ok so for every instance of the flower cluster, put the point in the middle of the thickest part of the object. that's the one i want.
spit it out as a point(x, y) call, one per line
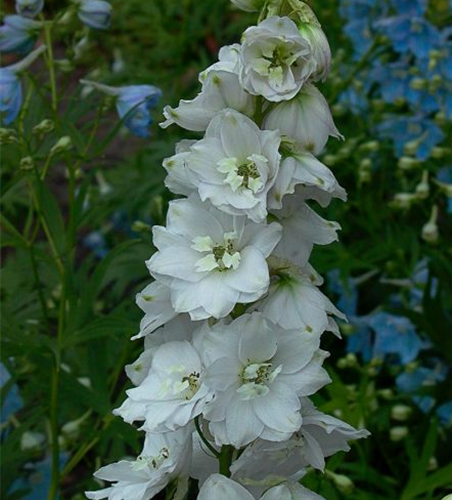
point(411, 70)
point(234, 318)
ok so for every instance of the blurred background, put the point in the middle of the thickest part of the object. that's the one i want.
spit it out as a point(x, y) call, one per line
point(390, 90)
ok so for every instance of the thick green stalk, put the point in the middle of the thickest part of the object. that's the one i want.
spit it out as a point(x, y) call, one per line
point(225, 459)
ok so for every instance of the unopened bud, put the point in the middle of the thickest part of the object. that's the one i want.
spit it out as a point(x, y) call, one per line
point(342, 482)
point(141, 227)
point(351, 359)
point(419, 84)
point(370, 146)
point(63, 144)
point(438, 152)
point(398, 433)
point(403, 200)
point(347, 328)
point(387, 394)
point(407, 163)
point(430, 231)
point(64, 65)
point(433, 465)
point(364, 176)
point(411, 147)
point(43, 128)
point(7, 136)
point(401, 413)
point(365, 164)
point(27, 163)
point(423, 188)
point(330, 160)
point(31, 441)
point(441, 118)
point(341, 363)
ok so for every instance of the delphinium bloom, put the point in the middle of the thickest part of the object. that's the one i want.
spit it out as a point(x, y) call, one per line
point(19, 34)
point(95, 14)
point(29, 8)
point(233, 322)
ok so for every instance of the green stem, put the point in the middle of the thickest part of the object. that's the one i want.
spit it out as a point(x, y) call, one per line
point(203, 438)
point(226, 460)
point(50, 63)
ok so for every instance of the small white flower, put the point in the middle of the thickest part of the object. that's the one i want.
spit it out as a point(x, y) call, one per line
point(306, 120)
point(220, 90)
point(295, 302)
point(173, 392)
point(211, 260)
point(302, 228)
point(233, 167)
point(275, 58)
point(321, 52)
point(228, 60)
point(248, 5)
point(258, 371)
point(163, 458)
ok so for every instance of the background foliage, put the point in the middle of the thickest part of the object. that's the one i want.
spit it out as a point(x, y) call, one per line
point(74, 247)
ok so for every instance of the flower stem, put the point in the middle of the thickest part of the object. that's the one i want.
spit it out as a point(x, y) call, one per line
point(50, 64)
point(226, 460)
point(204, 440)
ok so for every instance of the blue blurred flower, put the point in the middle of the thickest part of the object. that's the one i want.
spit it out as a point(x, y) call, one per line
point(410, 34)
point(445, 175)
point(394, 335)
point(444, 413)
point(11, 400)
point(96, 242)
point(412, 7)
point(10, 96)
point(29, 8)
point(404, 129)
point(134, 103)
point(18, 34)
point(95, 14)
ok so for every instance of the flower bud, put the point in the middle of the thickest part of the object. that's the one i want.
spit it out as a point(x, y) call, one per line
point(370, 146)
point(430, 232)
point(441, 118)
point(7, 136)
point(387, 394)
point(27, 163)
point(342, 482)
point(249, 5)
point(407, 163)
point(411, 147)
point(365, 164)
point(423, 188)
point(364, 177)
point(438, 152)
point(18, 34)
point(95, 14)
point(141, 227)
point(433, 465)
point(321, 52)
point(63, 144)
point(403, 201)
point(64, 65)
point(31, 441)
point(398, 433)
point(401, 413)
point(419, 84)
point(29, 8)
point(44, 128)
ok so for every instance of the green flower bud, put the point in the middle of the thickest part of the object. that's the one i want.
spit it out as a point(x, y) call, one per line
point(430, 231)
point(423, 188)
point(7, 136)
point(398, 433)
point(407, 163)
point(342, 482)
point(401, 413)
point(27, 163)
point(43, 128)
point(63, 144)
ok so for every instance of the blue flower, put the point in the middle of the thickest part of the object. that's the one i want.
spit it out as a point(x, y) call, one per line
point(95, 14)
point(29, 8)
point(134, 103)
point(18, 34)
point(96, 242)
point(10, 96)
point(403, 129)
point(445, 175)
point(395, 335)
point(444, 413)
point(412, 7)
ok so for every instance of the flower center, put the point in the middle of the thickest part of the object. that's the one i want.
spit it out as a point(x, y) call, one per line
point(220, 256)
point(245, 174)
point(181, 385)
point(255, 380)
point(143, 461)
point(274, 61)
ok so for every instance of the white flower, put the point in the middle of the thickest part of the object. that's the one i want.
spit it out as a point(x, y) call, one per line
point(228, 60)
point(258, 371)
point(321, 52)
point(295, 302)
point(155, 302)
point(303, 169)
point(319, 437)
point(163, 458)
point(302, 228)
point(180, 179)
point(220, 90)
point(248, 5)
point(233, 167)
point(219, 487)
point(211, 260)
point(173, 393)
point(276, 59)
point(306, 120)
point(179, 328)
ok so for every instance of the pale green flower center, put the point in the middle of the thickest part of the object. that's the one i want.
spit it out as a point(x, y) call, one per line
point(243, 175)
point(220, 256)
point(180, 384)
point(143, 461)
point(255, 380)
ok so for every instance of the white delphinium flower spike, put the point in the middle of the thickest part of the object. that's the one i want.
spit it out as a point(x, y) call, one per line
point(164, 458)
point(275, 59)
point(211, 260)
point(233, 167)
point(258, 371)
